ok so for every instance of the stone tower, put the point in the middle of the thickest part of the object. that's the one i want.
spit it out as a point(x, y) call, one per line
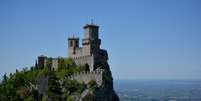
point(91, 41)
point(90, 52)
point(73, 44)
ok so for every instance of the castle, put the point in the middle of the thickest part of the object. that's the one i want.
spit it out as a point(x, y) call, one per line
point(90, 52)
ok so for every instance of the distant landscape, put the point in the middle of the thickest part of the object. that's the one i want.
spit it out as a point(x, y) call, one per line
point(158, 90)
point(100, 50)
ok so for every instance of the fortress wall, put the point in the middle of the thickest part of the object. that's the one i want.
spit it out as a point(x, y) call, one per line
point(83, 60)
point(86, 50)
point(86, 77)
point(79, 51)
point(55, 63)
point(42, 85)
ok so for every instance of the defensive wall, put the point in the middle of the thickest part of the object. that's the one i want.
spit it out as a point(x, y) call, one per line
point(86, 77)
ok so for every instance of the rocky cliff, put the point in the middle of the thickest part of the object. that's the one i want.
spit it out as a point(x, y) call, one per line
point(98, 85)
point(103, 91)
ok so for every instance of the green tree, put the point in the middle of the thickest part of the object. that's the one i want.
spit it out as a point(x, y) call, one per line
point(92, 84)
point(5, 78)
point(36, 65)
point(88, 97)
point(61, 64)
point(54, 88)
point(72, 86)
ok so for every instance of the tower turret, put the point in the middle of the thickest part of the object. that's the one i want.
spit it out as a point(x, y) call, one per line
point(42, 60)
point(91, 40)
point(91, 31)
point(73, 43)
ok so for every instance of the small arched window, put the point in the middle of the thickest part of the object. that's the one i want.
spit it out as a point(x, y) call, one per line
point(77, 43)
point(71, 43)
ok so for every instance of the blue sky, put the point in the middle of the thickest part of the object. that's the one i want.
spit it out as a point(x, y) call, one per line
point(145, 39)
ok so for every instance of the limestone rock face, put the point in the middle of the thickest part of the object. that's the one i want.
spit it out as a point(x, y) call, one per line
point(105, 92)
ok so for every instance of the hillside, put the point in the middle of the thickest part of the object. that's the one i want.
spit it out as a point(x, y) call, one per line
point(46, 84)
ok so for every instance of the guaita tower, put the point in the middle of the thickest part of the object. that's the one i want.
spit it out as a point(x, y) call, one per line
point(90, 52)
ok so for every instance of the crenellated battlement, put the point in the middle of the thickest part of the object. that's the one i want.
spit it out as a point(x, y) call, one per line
point(86, 77)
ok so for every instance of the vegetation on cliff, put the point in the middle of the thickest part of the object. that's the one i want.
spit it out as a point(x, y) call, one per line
point(22, 85)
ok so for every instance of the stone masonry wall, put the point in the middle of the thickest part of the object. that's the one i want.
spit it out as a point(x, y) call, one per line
point(86, 77)
point(84, 60)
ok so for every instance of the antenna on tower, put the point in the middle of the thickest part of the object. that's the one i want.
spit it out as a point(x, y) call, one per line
point(91, 20)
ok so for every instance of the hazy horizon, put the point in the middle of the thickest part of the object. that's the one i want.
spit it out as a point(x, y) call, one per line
point(145, 39)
